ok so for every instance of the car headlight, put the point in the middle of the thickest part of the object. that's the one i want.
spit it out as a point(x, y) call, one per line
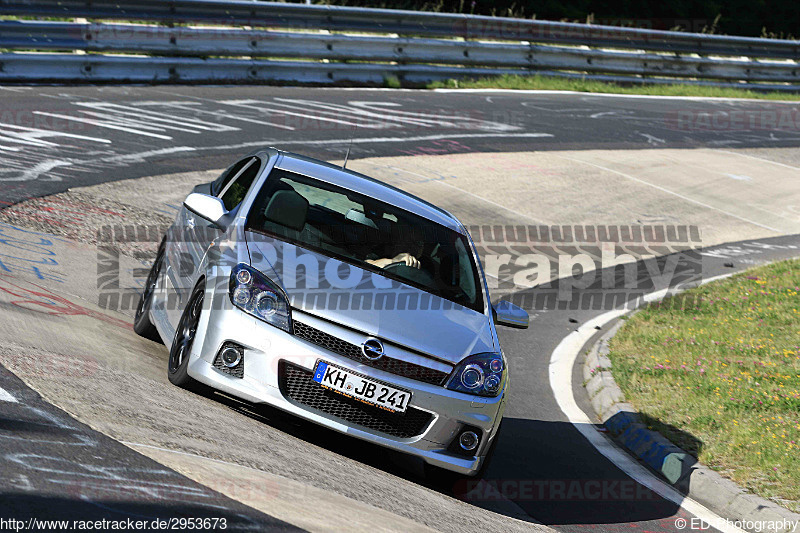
point(482, 374)
point(255, 294)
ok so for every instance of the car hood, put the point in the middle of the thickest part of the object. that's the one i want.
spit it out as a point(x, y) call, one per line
point(407, 316)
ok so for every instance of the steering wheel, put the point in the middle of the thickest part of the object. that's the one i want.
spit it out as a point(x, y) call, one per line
point(395, 265)
point(412, 274)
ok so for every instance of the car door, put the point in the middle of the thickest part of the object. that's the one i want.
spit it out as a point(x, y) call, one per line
point(181, 249)
point(200, 234)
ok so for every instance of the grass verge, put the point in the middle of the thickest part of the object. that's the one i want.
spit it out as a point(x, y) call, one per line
point(720, 366)
point(567, 84)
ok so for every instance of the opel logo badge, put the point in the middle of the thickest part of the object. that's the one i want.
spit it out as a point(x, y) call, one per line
point(372, 349)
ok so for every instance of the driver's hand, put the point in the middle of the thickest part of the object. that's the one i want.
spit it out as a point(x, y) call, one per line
point(408, 259)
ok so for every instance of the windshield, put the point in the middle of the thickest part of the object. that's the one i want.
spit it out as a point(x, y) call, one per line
point(368, 233)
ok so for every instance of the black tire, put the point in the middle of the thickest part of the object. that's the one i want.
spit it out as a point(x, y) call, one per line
point(177, 369)
point(141, 322)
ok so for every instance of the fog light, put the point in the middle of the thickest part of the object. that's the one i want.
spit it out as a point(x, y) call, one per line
point(231, 357)
point(468, 440)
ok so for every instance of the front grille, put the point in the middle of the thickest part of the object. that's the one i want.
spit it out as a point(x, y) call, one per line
point(353, 351)
point(296, 384)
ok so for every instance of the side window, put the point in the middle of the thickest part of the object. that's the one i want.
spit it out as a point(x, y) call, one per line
point(222, 181)
point(465, 279)
point(234, 191)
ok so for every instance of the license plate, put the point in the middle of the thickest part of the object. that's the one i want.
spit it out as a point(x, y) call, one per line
point(361, 388)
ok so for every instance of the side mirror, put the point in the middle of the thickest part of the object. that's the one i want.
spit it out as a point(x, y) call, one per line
point(507, 314)
point(210, 208)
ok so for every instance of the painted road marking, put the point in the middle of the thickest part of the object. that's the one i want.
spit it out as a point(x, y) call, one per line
point(770, 161)
point(6, 396)
point(141, 116)
point(369, 140)
point(464, 191)
point(107, 124)
point(663, 189)
point(270, 108)
point(218, 114)
point(562, 362)
point(44, 167)
point(35, 136)
point(584, 95)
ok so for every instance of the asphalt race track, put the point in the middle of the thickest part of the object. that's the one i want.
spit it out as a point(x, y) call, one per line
point(66, 461)
point(58, 461)
point(52, 138)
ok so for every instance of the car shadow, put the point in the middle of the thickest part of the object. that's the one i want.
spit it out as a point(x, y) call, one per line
point(543, 472)
point(663, 447)
point(555, 475)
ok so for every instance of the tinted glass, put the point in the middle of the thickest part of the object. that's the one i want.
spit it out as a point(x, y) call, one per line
point(368, 233)
point(219, 184)
point(234, 191)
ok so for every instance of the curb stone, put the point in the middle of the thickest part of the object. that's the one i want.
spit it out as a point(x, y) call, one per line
point(678, 467)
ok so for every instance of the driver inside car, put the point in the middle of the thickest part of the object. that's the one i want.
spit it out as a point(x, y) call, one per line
point(402, 257)
point(407, 253)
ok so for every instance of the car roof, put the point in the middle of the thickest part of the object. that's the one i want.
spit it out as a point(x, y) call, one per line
point(363, 184)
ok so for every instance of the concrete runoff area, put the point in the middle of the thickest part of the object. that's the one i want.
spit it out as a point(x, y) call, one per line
point(122, 389)
point(729, 195)
point(301, 504)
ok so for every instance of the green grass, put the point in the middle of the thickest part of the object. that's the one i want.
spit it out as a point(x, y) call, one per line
point(579, 85)
point(724, 369)
point(392, 82)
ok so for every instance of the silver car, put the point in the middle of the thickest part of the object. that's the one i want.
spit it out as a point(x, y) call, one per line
point(337, 298)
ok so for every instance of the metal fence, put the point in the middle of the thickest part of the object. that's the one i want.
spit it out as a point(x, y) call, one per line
point(248, 41)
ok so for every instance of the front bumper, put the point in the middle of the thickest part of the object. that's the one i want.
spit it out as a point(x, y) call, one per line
point(268, 351)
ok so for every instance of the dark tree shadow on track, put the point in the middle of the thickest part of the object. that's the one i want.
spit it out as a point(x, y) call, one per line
point(552, 472)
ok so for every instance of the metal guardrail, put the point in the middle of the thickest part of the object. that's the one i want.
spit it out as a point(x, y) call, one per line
point(409, 51)
point(341, 18)
point(205, 42)
point(58, 68)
